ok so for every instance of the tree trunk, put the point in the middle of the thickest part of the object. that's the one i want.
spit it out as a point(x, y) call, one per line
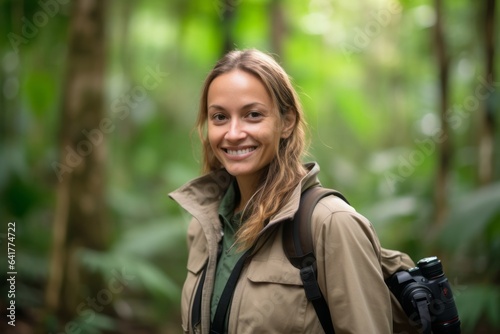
point(278, 29)
point(445, 149)
point(79, 220)
point(487, 133)
point(227, 12)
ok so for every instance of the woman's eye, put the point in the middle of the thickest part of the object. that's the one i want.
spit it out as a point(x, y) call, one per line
point(254, 114)
point(218, 117)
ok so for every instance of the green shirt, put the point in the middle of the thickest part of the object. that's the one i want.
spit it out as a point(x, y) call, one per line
point(229, 255)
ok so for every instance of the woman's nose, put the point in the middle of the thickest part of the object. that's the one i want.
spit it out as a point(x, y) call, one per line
point(236, 130)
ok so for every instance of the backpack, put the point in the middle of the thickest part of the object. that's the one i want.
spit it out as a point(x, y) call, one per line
point(398, 270)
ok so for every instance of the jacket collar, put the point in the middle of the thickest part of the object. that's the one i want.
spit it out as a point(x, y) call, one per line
point(201, 197)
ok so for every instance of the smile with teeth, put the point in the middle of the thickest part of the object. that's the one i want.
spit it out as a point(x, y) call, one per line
point(239, 152)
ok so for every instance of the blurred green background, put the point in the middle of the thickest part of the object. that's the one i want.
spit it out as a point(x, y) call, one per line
point(99, 99)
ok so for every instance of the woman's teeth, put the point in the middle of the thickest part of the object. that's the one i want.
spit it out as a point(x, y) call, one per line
point(239, 152)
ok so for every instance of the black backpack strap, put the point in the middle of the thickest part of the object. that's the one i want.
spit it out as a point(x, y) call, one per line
point(196, 310)
point(299, 248)
point(219, 322)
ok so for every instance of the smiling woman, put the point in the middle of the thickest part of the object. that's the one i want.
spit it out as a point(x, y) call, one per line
point(243, 79)
point(244, 129)
point(239, 279)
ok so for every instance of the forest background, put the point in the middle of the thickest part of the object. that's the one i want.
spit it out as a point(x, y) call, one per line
point(97, 104)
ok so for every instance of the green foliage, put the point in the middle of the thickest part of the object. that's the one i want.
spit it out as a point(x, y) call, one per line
point(474, 217)
point(149, 255)
point(477, 303)
point(40, 97)
point(99, 324)
point(471, 236)
point(370, 97)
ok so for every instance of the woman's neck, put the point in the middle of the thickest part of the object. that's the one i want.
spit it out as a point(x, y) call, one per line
point(247, 188)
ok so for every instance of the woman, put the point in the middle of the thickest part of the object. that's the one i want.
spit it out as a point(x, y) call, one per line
point(252, 129)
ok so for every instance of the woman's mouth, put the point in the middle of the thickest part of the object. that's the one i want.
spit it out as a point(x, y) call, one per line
point(239, 151)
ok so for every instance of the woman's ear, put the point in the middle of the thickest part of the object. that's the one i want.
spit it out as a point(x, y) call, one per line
point(289, 120)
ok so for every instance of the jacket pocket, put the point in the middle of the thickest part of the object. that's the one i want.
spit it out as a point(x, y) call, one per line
point(196, 263)
point(272, 299)
point(273, 271)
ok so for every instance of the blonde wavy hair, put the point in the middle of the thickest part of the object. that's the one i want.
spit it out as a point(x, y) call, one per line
point(285, 171)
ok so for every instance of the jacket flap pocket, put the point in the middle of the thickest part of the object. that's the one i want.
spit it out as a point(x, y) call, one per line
point(273, 271)
point(196, 261)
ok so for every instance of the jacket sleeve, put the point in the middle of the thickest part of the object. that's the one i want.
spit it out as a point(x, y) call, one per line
point(349, 269)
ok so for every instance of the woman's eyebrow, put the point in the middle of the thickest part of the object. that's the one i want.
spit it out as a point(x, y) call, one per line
point(216, 106)
point(246, 106)
point(253, 104)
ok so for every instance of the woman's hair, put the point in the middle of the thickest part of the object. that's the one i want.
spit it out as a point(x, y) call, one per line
point(285, 171)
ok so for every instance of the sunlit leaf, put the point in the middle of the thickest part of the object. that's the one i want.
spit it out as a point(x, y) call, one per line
point(40, 90)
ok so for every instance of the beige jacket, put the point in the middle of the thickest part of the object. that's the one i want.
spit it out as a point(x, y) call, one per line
point(269, 296)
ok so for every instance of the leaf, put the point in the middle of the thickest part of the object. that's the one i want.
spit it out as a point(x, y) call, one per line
point(470, 216)
point(152, 238)
point(493, 307)
point(97, 324)
point(475, 302)
point(155, 281)
point(40, 91)
point(141, 272)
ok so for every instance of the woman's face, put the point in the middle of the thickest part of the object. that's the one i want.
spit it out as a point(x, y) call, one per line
point(244, 128)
